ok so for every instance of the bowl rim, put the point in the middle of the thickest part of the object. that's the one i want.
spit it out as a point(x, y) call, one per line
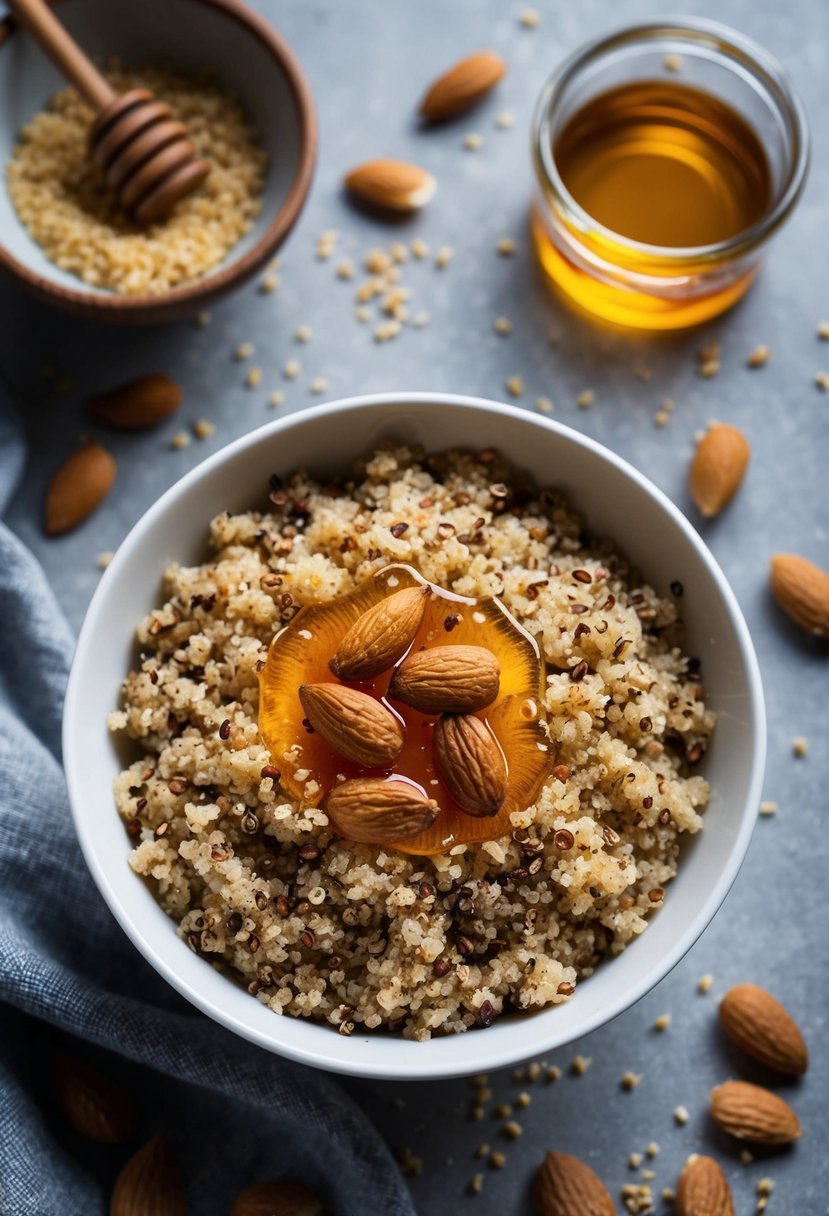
point(178, 300)
point(327, 1051)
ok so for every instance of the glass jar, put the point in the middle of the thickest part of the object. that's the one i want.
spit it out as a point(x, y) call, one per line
point(664, 286)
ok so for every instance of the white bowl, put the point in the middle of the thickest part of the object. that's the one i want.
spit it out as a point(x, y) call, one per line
point(617, 501)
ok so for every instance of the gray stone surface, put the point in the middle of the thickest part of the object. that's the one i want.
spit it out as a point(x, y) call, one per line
point(368, 64)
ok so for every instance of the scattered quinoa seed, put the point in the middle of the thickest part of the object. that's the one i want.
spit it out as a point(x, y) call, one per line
point(303, 334)
point(800, 747)
point(497, 1159)
point(419, 249)
point(503, 1111)
point(630, 1080)
point(512, 1130)
point(203, 429)
point(681, 1115)
point(105, 558)
point(420, 319)
point(580, 1065)
point(243, 351)
point(759, 357)
point(672, 62)
point(482, 1151)
point(363, 313)
point(634, 1161)
point(180, 440)
point(253, 377)
point(202, 320)
point(662, 1022)
point(505, 247)
point(505, 120)
point(523, 1100)
point(553, 1073)
point(585, 399)
point(473, 141)
point(544, 405)
point(533, 1071)
point(476, 1183)
point(765, 1186)
point(768, 808)
point(319, 385)
point(276, 398)
point(652, 1150)
point(269, 284)
point(345, 269)
point(823, 331)
point(502, 325)
point(530, 18)
point(667, 1194)
point(708, 368)
point(705, 983)
point(822, 381)
point(291, 369)
point(444, 256)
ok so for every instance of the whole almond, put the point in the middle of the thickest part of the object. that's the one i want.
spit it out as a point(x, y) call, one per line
point(373, 811)
point(278, 1198)
point(354, 724)
point(756, 1022)
point(79, 486)
point(94, 1104)
point(392, 185)
point(702, 1189)
point(150, 1183)
point(565, 1186)
point(142, 402)
point(471, 763)
point(802, 590)
point(462, 85)
point(749, 1112)
point(718, 468)
point(381, 636)
point(447, 679)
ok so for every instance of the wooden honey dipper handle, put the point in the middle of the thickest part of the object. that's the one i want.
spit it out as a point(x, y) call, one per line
point(145, 156)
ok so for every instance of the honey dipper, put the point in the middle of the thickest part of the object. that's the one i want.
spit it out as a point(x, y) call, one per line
point(145, 155)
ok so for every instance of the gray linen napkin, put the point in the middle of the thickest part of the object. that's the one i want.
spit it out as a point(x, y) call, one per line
point(234, 1113)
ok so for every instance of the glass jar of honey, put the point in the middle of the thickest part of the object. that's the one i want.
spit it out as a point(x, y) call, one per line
point(666, 156)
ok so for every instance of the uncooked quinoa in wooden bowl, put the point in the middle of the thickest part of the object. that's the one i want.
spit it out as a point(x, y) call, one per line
point(233, 82)
point(414, 746)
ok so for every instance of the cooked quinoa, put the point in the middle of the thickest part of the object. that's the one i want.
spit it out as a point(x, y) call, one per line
point(60, 197)
point(363, 937)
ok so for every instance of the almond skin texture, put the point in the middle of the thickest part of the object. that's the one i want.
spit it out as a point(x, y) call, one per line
point(702, 1189)
point(462, 85)
point(353, 723)
point(150, 1183)
point(756, 1022)
point(718, 468)
point(447, 679)
point(79, 486)
point(470, 763)
point(391, 185)
point(278, 1198)
point(381, 636)
point(373, 811)
point(94, 1104)
point(802, 590)
point(749, 1112)
point(143, 402)
point(565, 1186)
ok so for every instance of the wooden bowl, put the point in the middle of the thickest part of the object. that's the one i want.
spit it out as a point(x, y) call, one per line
point(250, 59)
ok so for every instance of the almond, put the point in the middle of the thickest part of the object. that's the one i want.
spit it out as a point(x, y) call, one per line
point(94, 1104)
point(392, 185)
point(702, 1189)
point(749, 1112)
point(142, 402)
point(718, 468)
point(462, 85)
point(802, 590)
point(373, 811)
point(79, 486)
point(380, 636)
point(565, 1186)
point(471, 763)
point(150, 1183)
point(756, 1022)
point(447, 679)
point(353, 723)
point(279, 1198)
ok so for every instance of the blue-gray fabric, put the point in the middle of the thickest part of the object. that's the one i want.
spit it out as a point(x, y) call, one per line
point(235, 1113)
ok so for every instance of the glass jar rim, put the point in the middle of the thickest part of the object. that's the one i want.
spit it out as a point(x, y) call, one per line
point(729, 42)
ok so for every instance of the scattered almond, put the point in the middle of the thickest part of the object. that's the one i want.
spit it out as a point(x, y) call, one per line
point(470, 763)
point(447, 679)
point(718, 468)
point(354, 724)
point(802, 590)
point(565, 1186)
point(278, 1198)
point(749, 1112)
point(702, 1189)
point(380, 636)
point(756, 1022)
point(79, 486)
point(143, 402)
point(94, 1104)
point(150, 1183)
point(373, 811)
point(462, 85)
point(392, 185)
